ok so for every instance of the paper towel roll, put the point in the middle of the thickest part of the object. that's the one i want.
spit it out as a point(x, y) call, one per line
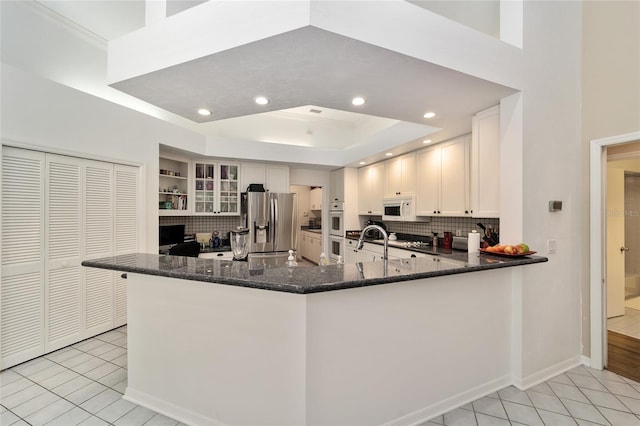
point(474, 242)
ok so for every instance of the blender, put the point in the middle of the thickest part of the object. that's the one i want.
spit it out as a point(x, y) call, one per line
point(239, 243)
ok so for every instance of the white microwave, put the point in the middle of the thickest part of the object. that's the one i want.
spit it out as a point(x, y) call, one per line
point(399, 209)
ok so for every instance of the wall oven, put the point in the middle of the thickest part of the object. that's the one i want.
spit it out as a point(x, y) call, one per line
point(336, 220)
point(336, 247)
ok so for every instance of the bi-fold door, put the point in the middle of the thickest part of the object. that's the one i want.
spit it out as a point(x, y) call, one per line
point(56, 212)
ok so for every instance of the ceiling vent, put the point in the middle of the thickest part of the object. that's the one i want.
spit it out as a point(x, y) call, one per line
point(315, 111)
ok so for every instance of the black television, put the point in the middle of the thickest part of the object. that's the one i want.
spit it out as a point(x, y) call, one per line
point(171, 234)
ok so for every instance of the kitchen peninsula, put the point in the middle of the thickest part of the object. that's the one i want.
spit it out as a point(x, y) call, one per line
point(217, 342)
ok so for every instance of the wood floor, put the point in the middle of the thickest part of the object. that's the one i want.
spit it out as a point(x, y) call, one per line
point(624, 355)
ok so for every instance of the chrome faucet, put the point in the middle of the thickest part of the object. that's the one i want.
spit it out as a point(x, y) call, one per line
point(384, 235)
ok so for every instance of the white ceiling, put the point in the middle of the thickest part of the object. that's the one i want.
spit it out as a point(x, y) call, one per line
point(308, 68)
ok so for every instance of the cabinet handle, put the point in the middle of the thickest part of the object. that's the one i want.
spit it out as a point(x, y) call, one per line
point(413, 255)
point(466, 212)
point(434, 212)
point(438, 211)
point(124, 276)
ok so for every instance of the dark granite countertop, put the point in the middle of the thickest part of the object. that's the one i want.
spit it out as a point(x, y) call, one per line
point(304, 280)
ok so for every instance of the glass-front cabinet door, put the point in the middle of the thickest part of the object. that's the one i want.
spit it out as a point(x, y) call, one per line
point(229, 193)
point(216, 188)
point(205, 177)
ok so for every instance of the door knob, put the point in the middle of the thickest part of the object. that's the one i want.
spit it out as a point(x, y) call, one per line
point(623, 248)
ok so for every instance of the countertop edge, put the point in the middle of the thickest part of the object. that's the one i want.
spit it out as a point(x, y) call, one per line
point(109, 263)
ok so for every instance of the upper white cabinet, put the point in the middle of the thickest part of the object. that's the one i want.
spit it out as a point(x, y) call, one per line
point(252, 173)
point(485, 163)
point(443, 179)
point(315, 199)
point(277, 179)
point(336, 186)
point(400, 176)
point(217, 188)
point(371, 189)
point(174, 187)
point(274, 178)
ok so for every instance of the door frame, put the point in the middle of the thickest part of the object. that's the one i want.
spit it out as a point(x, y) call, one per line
point(597, 251)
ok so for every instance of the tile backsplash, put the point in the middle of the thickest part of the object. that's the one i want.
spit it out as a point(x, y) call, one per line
point(224, 224)
point(440, 225)
point(193, 224)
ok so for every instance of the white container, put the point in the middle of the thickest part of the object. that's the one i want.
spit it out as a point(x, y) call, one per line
point(473, 245)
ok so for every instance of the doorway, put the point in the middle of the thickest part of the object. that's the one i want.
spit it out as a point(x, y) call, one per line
point(622, 264)
point(609, 255)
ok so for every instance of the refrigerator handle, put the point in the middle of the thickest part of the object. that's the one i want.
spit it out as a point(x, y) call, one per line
point(275, 219)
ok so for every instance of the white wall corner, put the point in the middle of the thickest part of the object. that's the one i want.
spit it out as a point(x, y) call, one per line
point(511, 22)
point(155, 11)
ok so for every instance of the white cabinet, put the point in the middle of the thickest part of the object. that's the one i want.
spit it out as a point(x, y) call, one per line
point(485, 163)
point(56, 212)
point(336, 185)
point(277, 179)
point(274, 178)
point(400, 176)
point(311, 246)
point(315, 199)
point(371, 189)
point(173, 191)
point(443, 179)
point(217, 188)
point(252, 173)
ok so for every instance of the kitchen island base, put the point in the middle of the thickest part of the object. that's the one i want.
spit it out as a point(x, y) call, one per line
point(399, 353)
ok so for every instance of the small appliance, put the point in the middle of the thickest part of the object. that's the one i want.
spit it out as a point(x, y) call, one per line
point(374, 234)
point(399, 209)
point(240, 243)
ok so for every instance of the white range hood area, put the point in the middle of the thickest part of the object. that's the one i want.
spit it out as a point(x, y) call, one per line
point(220, 55)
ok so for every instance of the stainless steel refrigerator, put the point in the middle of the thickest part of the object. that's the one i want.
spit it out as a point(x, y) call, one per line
point(272, 222)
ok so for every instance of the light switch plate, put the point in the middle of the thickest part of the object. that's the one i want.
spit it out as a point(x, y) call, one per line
point(551, 246)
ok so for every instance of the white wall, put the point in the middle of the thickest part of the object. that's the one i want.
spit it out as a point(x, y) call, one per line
point(40, 113)
point(551, 170)
point(611, 99)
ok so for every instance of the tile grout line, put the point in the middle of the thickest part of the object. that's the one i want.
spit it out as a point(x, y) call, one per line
point(80, 374)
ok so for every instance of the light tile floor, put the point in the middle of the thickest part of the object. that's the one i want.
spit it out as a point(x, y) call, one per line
point(83, 385)
point(79, 385)
point(627, 324)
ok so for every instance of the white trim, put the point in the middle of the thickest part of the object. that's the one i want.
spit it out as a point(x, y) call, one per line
point(69, 153)
point(67, 23)
point(168, 409)
point(420, 416)
point(546, 374)
point(597, 255)
point(586, 361)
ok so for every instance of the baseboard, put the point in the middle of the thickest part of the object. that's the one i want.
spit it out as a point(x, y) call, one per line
point(549, 372)
point(446, 405)
point(586, 361)
point(169, 409)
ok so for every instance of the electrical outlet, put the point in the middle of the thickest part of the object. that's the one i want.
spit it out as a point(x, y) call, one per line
point(551, 246)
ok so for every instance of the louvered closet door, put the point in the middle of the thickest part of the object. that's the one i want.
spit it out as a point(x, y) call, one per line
point(63, 287)
point(126, 232)
point(98, 242)
point(22, 287)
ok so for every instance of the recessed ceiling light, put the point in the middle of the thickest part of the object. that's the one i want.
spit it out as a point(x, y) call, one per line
point(389, 154)
point(357, 101)
point(362, 163)
point(430, 115)
point(261, 100)
point(204, 111)
point(426, 141)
